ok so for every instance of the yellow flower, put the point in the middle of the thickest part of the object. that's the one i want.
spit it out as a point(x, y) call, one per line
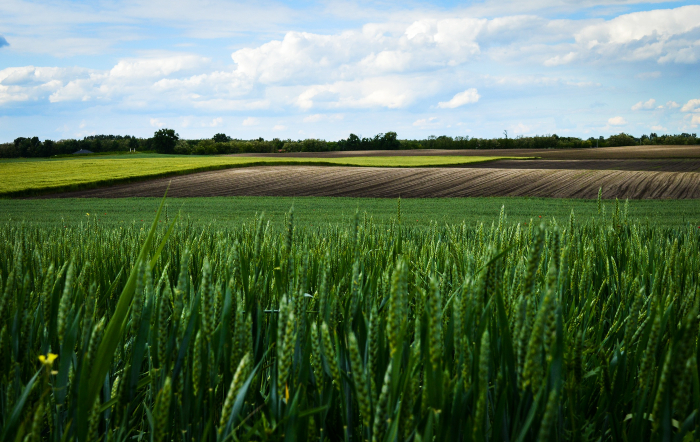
point(48, 359)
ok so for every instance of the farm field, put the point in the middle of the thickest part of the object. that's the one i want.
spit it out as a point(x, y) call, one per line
point(650, 165)
point(315, 212)
point(624, 152)
point(580, 329)
point(412, 183)
point(36, 176)
point(635, 172)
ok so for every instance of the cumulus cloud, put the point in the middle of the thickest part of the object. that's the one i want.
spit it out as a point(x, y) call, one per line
point(251, 121)
point(649, 104)
point(156, 67)
point(658, 127)
point(155, 122)
point(469, 96)
point(691, 106)
point(425, 123)
point(215, 122)
point(695, 121)
point(672, 105)
point(408, 60)
point(521, 129)
point(3, 41)
point(133, 82)
point(617, 121)
point(279, 127)
point(375, 49)
point(663, 35)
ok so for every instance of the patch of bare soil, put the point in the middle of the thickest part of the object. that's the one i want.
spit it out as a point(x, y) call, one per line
point(626, 152)
point(411, 183)
point(666, 165)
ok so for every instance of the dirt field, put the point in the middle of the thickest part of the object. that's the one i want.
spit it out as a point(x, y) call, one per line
point(627, 152)
point(667, 165)
point(412, 182)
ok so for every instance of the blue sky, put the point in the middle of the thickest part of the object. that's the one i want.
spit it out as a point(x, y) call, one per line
point(324, 69)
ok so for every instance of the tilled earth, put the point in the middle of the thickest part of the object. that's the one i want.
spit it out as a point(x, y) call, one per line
point(651, 179)
point(620, 153)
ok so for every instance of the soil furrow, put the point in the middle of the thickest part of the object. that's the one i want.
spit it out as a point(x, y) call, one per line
point(411, 182)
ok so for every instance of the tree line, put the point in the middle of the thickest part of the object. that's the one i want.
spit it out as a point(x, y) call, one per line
point(169, 142)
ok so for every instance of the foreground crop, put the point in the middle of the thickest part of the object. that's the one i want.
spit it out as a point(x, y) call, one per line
point(496, 332)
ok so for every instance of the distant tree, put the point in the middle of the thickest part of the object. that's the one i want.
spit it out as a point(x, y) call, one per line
point(221, 138)
point(276, 145)
point(390, 141)
point(48, 148)
point(622, 139)
point(28, 147)
point(133, 143)
point(164, 140)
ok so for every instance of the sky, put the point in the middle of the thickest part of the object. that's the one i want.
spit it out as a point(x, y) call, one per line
point(325, 69)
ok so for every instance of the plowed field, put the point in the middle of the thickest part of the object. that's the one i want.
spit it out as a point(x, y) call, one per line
point(667, 165)
point(621, 153)
point(413, 183)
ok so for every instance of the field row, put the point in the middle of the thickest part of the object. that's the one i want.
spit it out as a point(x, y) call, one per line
point(28, 177)
point(579, 330)
point(322, 212)
point(620, 153)
point(412, 183)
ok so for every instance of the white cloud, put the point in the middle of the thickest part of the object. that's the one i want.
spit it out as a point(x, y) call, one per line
point(156, 67)
point(130, 79)
point(561, 59)
point(214, 123)
point(649, 104)
point(469, 96)
point(663, 35)
point(279, 127)
point(425, 123)
point(695, 121)
point(521, 129)
point(251, 121)
point(155, 122)
point(691, 106)
point(658, 127)
point(635, 26)
point(617, 121)
point(404, 59)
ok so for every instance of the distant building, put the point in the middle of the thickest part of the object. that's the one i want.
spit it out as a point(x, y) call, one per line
point(82, 152)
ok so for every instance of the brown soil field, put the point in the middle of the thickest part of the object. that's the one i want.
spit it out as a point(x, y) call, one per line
point(666, 165)
point(620, 153)
point(412, 183)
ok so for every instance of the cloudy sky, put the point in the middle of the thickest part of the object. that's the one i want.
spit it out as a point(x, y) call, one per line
point(324, 69)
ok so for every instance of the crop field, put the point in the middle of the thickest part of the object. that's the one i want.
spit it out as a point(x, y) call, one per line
point(579, 329)
point(635, 172)
point(650, 165)
point(619, 153)
point(324, 211)
point(413, 183)
point(37, 176)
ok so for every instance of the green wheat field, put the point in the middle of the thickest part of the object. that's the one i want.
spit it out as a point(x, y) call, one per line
point(581, 329)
